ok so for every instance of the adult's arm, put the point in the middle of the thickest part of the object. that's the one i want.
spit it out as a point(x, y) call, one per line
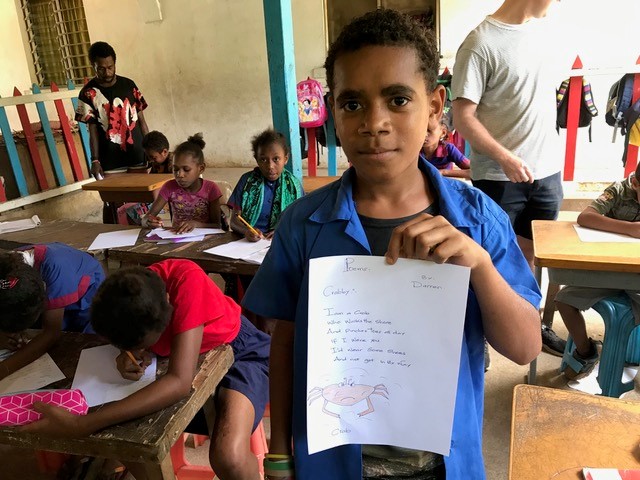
point(472, 130)
point(96, 167)
point(143, 123)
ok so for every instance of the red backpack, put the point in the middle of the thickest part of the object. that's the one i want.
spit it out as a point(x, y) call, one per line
point(312, 111)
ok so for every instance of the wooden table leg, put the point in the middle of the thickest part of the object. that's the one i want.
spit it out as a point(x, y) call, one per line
point(549, 304)
point(152, 471)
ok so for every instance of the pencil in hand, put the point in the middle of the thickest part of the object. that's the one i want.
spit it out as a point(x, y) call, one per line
point(251, 229)
point(133, 359)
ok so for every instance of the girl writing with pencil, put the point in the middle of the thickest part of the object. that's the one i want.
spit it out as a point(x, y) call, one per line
point(262, 194)
point(173, 309)
point(48, 287)
point(194, 202)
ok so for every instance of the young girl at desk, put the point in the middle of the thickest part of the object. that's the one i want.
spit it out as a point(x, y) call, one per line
point(194, 202)
point(53, 283)
point(616, 210)
point(172, 308)
point(258, 200)
point(262, 194)
point(442, 154)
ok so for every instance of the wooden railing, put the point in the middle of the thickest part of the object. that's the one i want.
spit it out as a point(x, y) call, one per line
point(78, 163)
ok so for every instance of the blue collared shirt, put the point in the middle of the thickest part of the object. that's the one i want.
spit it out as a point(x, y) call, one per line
point(326, 223)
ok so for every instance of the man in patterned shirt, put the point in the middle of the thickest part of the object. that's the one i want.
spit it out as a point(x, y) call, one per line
point(112, 107)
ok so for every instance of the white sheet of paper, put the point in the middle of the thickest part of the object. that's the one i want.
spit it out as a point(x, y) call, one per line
point(18, 225)
point(181, 240)
point(384, 352)
point(36, 375)
point(196, 232)
point(99, 379)
point(591, 235)
point(589, 384)
point(121, 238)
point(242, 249)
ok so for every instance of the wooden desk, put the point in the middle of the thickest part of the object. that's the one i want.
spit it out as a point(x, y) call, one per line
point(554, 433)
point(146, 253)
point(78, 235)
point(128, 187)
point(146, 440)
point(309, 184)
point(569, 261)
point(120, 188)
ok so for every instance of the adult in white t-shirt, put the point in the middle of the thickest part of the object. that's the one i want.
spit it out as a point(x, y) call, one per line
point(504, 105)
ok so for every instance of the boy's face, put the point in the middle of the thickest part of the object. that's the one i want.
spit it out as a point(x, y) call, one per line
point(271, 160)
point(383, 111)
point(157, 157)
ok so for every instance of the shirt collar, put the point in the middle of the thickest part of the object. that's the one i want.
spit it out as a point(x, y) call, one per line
point(452, 203)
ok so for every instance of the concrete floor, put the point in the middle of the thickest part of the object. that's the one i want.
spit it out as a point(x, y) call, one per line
point(20, 464)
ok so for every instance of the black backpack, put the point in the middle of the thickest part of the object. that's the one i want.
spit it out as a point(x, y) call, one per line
point(588, 109)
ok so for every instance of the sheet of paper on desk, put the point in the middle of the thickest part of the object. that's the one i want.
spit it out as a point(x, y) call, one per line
point(384, 351)
point(18, 225)
point(243, 249)
point(610, 474)
point(99, 379)
point(37, 374)
point(121, 238)
point(591, 235)
point(166, 234)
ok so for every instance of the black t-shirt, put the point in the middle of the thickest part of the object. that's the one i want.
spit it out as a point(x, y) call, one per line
point(378, 231)
point(115, 110)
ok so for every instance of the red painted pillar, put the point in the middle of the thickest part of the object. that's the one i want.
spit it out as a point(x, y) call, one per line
point(632, 150)
point(573, 117)
point(312, 154)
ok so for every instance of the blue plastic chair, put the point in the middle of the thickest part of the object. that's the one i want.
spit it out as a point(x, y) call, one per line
point(621, 343)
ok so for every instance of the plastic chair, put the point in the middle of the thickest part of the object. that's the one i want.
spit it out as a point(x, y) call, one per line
point(50, 462)
point(184, 470)
point(619, 344)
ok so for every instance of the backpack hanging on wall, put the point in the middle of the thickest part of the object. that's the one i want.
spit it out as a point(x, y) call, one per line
point(620, 96)
point(312, 111)
point(623, 113)
point(588, 109)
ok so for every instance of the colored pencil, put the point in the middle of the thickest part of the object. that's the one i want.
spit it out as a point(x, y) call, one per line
point(251, 229)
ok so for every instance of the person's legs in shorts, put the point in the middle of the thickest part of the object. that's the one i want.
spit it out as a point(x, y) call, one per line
point(240, 402)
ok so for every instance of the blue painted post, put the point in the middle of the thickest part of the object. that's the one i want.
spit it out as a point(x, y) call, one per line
point(332, 162)
point(84, 132)
point(14, 159)
point(49, 140)
point(282, 76)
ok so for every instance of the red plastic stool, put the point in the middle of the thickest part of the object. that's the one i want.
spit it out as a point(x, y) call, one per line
point(50, 462)
point(184, 470)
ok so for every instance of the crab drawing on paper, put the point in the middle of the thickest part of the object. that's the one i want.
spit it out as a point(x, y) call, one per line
point(346, 394)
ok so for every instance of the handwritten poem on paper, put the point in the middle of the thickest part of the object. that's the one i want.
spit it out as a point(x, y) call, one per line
point(384, 351)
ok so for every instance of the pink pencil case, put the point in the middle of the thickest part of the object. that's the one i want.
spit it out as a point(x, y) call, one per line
point(17, 409)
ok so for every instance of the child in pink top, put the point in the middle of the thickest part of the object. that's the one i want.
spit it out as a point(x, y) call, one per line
point(194, 202)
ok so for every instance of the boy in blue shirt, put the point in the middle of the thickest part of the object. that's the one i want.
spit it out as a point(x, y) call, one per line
point(384, 96)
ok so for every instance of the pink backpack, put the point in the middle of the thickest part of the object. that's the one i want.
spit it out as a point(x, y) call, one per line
point(312, 111)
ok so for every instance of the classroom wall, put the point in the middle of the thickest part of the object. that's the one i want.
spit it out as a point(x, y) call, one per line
point(204, 66)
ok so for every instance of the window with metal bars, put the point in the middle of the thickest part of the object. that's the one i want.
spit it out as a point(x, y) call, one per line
point(58, 40)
